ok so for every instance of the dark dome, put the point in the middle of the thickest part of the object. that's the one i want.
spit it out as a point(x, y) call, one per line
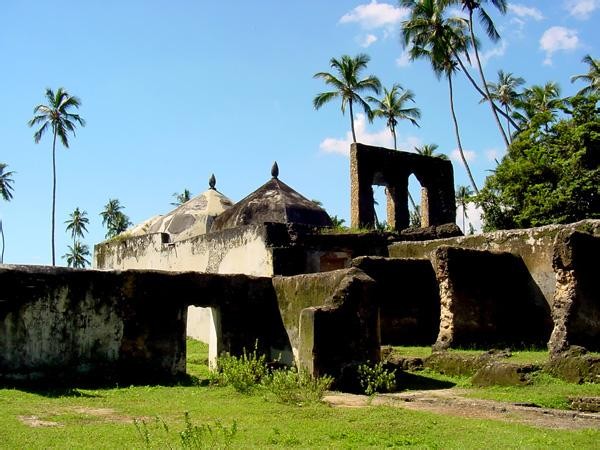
point(275, 202)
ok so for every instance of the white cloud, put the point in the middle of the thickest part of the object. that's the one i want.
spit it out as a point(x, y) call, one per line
point(581, 9)
point(367, 40)
point(525, 11)
point(495, 52)
point(473, 217)
point(458, 12)
point(404, 59)
point(558, 38)
point(470, 155)
point(382, 138)
point(375, 15)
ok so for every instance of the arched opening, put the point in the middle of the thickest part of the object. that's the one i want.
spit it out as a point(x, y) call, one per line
point(380, 206)
point(417, 200)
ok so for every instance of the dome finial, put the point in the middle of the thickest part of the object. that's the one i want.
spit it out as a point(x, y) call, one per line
point(275, 170)
point(212, 181)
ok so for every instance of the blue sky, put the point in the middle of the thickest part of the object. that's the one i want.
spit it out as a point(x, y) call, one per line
point(174, 91)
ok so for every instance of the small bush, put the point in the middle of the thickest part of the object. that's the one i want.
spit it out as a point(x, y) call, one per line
point(375, 378)
point(242, 372)
point(215, 435)
point(297, 386)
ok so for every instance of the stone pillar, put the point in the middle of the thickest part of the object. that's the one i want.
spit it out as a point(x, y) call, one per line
point(425, 216)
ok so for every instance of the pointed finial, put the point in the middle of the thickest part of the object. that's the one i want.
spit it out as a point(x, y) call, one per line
point(212, 181)
point(275, 170)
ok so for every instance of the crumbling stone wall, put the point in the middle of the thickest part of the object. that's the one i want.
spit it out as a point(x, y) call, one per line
point(576, 303)
point(407, 294)
point(535, 246)
point(391, 168)
point(488, 299)
point(330, 318)
point(124, 325)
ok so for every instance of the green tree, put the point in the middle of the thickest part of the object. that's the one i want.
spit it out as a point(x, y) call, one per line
point(592, 77)
point(477, 5)
point(548, 176)
point(76, 256)
point(393, 107)
point(430, 150)
point(430, 35)
point(77, 224)
point(464, 196)
point(56, 116)
point(6, 193)
point(348, 85)
point(538, 105)
point(505, 93)
point(182, 198)
point(114, 219)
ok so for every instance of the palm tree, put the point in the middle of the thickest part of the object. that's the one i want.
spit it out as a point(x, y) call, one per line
point(77, 223)
point(463, 197)
point(114, 219)
point(592, 77)
point(393, 107)
point(433, 37)
point(57, 116)
point(348, 85)
point(505, 92)
point(6, 190)
point(180, 199)
point(492, 33)
point(430, 150)
point(76, 256)
point(539, 104)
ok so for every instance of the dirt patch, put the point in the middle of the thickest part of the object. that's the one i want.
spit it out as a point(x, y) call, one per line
point(36, 422)
point(453, 402)
point(106, 414)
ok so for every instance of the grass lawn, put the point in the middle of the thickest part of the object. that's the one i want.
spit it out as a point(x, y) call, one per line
point(103, 418)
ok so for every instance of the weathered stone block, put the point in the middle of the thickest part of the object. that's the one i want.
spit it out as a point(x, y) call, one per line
point(407, 294)
point(504, 374)
point(488, 300)
point(576, 303)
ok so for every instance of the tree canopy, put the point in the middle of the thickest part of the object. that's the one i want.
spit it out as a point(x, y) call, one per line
point(551, 173)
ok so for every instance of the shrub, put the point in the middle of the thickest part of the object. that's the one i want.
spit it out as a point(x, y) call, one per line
point(242, 372)
point(375, 378)
point(215, 435)
point(297, 386)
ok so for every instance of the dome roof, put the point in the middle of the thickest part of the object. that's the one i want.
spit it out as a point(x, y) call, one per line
point(192, 218)
point(275, 202)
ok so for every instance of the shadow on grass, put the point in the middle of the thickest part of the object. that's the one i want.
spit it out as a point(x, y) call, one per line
point(64, 387)
point(412, 382)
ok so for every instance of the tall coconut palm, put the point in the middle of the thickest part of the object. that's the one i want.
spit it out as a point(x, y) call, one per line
point(6, 193)
point(348, 85)
point(430, 150)
point(57, 116)
point(477, 5)
point(393, 107)
point(463, 198)
point(113, 218)
point(539, 103)
point(76, 256)
point(592, 78)
point(429, 35)
point(77, 224)
point(505, 93)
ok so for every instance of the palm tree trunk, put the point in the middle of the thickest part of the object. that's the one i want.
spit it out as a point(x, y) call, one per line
point(53, 193)
point(464, 215)
point(485, 86)
point(412, 202)
point(508, 124)
point(478, 89)
point(393, 130)
point(352, 121)
point(457, 133)
point(2, 233)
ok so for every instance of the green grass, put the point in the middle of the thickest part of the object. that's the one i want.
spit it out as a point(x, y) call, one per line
point(534, 356)
point(103, 418)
